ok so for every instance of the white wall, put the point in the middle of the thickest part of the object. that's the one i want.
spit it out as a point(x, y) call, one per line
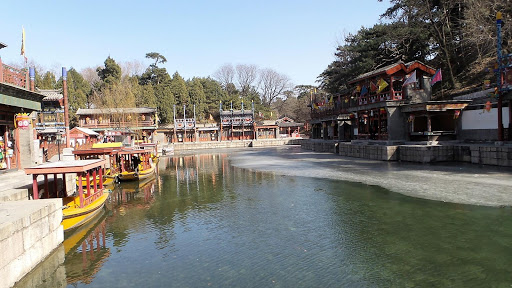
point(481, 119)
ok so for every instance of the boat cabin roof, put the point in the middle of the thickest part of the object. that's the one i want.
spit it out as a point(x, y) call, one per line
point(58, 167)
point(96, 151)
point(126, 151)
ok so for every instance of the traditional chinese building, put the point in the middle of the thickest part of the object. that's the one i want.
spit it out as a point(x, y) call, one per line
point(237, 125)
point(18, 102)
point(288, 127)
point(80, 136)
point(266, 129)
point(120, 124)
point(392, 103)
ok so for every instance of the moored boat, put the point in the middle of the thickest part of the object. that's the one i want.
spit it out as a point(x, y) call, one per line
point(79, 207)
point(136, 164)
point(111, 168)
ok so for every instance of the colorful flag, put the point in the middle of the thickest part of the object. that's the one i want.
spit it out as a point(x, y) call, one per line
point(411, 79)
point(437, 77)
point(373, 87)
point(358, 88)
point(364, 91)
point(23, 44)
point(22, 41)
point(382, 84)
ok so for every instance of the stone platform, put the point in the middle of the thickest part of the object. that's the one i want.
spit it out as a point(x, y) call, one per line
point(29, 231)
point(486, 154)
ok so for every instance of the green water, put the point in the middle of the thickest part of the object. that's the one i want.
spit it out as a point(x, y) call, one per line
point(204, 223)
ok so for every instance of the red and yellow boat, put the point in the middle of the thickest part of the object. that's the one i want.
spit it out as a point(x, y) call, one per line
point(110, 171)
point(136, 164)
point(79, 207)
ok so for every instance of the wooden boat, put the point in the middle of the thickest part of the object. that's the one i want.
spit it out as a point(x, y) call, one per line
point(112, 168)
point(136, 164)
point(80, 208)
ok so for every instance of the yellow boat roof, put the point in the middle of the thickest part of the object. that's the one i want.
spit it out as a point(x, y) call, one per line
point(107, 145)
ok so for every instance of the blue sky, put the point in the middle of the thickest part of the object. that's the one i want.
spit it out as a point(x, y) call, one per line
point(295, 38)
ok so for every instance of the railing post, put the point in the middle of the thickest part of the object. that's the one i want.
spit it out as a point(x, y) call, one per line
point(1, 71)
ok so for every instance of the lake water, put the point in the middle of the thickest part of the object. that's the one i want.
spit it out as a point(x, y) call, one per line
point(203, 222)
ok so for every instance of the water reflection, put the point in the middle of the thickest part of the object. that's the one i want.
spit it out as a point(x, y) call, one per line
point(86, 251)
point(203, 222)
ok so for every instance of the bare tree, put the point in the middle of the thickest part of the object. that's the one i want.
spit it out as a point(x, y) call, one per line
point(115, 96)
point(246, 76)
point(272, 85)
point(90, 75)
point(132, 68)
point(225, 75)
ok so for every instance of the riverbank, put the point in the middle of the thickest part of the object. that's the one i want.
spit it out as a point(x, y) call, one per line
point(231, 144)
point(447, 181)
point(486, 154)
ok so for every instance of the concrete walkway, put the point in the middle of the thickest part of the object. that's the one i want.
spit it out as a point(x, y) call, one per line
point(14, 185)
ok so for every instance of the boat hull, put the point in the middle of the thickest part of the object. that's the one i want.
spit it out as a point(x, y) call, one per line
point(132, 175)
point(73, 216)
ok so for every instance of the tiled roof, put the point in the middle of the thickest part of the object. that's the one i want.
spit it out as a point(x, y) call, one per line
point(87, 131)
point(141, 110)
point(50, 95)
point(379, 71)
point(235, 112)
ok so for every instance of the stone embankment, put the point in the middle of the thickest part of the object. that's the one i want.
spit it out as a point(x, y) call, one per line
point(451, 152)
point(234, 144)
point(29, 231)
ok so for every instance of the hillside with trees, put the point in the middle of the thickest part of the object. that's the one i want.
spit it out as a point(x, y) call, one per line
point(458, 36)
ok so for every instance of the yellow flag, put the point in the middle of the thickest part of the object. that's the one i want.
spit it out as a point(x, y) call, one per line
point(22, 41)
point(382, 84)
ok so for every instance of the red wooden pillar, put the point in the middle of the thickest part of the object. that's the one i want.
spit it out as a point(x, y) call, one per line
point(17, 150)
point(88, 188)
point(94, 180)
point(81, 187)
point(35, 189)
point(101, 177)
point(1, 71)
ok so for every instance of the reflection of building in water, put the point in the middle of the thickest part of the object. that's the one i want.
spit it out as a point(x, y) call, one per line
point(195, 170)
point(126, 192)
point(86, 251)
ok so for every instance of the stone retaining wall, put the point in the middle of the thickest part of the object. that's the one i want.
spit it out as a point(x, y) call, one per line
point(234, 144)
point(470, 153)
point(375, 152)
point(425, 153)
point(320, 146)
point(29, 231)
